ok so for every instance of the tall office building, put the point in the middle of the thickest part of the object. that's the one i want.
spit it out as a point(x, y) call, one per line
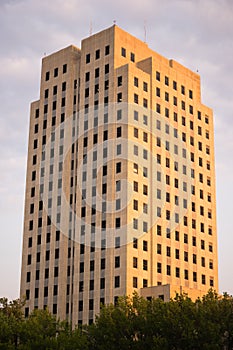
point(120, 191)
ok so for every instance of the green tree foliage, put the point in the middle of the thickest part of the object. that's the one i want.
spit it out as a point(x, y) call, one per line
point(135, 323)
point(11, 320)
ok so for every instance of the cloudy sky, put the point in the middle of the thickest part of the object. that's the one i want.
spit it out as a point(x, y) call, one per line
point(197, 33)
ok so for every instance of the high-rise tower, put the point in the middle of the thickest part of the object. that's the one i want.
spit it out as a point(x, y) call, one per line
point(120, 191)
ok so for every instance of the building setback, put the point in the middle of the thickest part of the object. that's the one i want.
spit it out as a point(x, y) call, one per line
point(120, 190)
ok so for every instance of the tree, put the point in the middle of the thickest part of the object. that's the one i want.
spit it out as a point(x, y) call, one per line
point(40, 331)
point(11, 319)
point(134, 323)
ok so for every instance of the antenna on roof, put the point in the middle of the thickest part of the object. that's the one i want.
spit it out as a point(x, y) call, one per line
point(144, 31)
point(90, 28)
point(114, 21)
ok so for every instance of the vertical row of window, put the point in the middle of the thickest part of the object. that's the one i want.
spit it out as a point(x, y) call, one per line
point(50, 170)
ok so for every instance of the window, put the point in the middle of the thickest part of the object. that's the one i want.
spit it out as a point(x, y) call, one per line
point(136, 115)
point(159, 248)
point(211, 264)
point(145, 172)
point(123, 52)
point(194, 276)
point(104, 188)
point(159, 267)
point(177, 272)
point(203, 279)
point(119, 131)
point(145, 103)
point(135, 282)
point(145, 208)
point(136, 98)
point(117, 261)
point(117, 242)
point(135, 243)
point(106, 68)
point(119, 97)
point(119, 81)
point(145, 86)
point(107, 50)
point(118, 167)
point(145, 190)
point(64, 68)
point(157, 76)
point(118, 185)
point(80, 305)
point(57, 253)
point(194, 259)
point(135, 150)
point(145, 154)
point(135, 204)
point(166, 80)
point(64, 86)
point(88, 58)
point(47, 74)
point(97, 54)
point(102, 264)
point(91, 286)
point(145, 246)
point(97, 72)
point(119, 114)
point(136, 81)
point(117, 281)
point(145, 226)
point(118, 222)
point(135, 168)
point(132, 57)
point(102, 283)
point(177, 254)
point(63, 102)
point(145, 265)
point(91, 304)
point(145, 119)
point(144, 283)
point(145, 136)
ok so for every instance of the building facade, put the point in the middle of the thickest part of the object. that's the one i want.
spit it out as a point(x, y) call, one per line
point(120, 190)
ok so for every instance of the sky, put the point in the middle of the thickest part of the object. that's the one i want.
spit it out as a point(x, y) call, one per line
point(196, 33)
